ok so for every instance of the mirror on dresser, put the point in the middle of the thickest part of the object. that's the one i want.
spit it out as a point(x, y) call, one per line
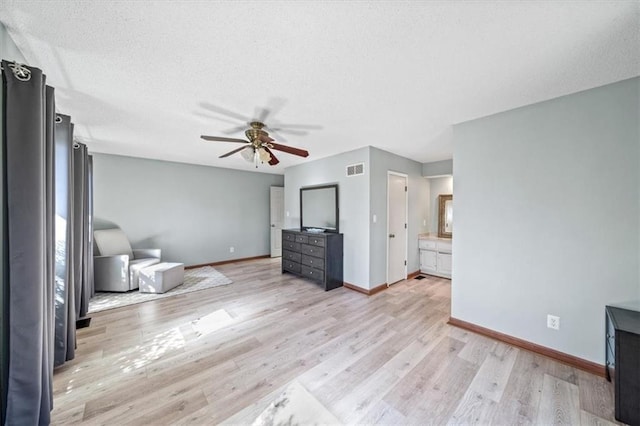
point(445, 216)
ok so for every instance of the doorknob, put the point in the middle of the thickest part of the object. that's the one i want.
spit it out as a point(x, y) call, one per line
point(272, 225)
point(392, 235)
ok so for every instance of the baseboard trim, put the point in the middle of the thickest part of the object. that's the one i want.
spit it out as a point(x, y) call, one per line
point(367, 291)
point(574, 361)
point(377, 289)
point(355, 288)
point(224, 262)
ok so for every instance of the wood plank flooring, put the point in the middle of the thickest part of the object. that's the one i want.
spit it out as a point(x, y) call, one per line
point(222, 355)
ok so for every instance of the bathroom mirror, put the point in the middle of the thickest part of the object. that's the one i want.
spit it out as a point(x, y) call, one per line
point(445, 215)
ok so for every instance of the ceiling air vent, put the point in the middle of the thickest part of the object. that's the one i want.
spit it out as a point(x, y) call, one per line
point(355, 169)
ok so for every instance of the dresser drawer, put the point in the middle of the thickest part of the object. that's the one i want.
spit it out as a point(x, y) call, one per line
point(611, 330)
point(291, 266)
point(315, 274)
point(318, 257)
point(611, 340)
point(317, 241)
point(312, 250)
point(289, 255)
point(427, 244)
point(611, 363)
point(444, 246)
point(291, 246)
point(315, 262)
point(611, 357)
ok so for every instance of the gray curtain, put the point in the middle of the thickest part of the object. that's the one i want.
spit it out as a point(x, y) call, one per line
point(65, 309)
point(90, 288)
point(47, 252)
point(82, 233)
point(29, 200)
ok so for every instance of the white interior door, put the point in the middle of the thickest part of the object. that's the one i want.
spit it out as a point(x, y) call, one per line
point(396, 227)
point(277, 219)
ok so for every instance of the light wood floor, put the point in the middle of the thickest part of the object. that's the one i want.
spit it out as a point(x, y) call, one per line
point(222, 355)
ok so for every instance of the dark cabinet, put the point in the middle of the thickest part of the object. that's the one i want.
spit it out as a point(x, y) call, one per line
point(314, 256)
point(623, 361)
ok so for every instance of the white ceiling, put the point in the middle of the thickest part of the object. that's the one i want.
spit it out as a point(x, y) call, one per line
point(138, 77)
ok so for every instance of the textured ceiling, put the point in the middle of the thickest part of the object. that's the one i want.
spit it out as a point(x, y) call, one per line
point(143, 78)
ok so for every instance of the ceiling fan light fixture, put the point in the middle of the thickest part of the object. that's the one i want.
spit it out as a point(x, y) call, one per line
point(260, 146)
point(247, 154)
point(264, 155)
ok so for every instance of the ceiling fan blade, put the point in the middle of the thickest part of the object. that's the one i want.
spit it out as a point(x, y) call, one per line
point(265, 139)
point(223, 111)
point(262, 114)
point(273, 160)
point(277, 135)
point(289, 149)
point(274, 105)
point(236, 129)
point(209, 117)
point(290, 131)
point(222, 139)
point(299, 126)
point(234, 151)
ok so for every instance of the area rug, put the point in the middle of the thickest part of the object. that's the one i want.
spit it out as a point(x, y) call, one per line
point(296, 406)
point(194, 280)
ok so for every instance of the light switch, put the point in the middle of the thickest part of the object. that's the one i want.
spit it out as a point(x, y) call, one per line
point(287, 213)
point(375, 218)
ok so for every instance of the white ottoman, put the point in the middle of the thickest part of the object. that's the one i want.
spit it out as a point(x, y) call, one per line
point(160, 277)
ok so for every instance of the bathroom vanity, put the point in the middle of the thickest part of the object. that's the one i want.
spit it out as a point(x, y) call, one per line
point(435, 255)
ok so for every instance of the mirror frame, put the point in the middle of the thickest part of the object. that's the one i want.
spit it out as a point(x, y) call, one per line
point(442, 201)
point(327, 186)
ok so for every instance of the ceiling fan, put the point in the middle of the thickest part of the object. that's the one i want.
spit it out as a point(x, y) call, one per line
point(260, 145)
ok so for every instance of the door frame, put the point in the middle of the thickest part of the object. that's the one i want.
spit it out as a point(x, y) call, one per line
point(406, 220)
point(272, 226)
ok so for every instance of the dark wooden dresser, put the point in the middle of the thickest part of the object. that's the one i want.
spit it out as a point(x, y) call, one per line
point(623, 361)
point(317, 256)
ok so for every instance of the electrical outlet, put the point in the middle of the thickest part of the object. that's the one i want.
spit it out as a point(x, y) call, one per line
point(553, 322)
point(231, 249)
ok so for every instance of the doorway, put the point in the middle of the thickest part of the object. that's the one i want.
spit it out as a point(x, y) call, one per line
point(397, 232)
point(276, 209)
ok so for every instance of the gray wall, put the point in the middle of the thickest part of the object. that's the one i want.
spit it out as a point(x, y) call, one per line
point(437, 168)
point(547, 217)
point(362, 197)
point(418, 188)
point(437, 186)
point(8, 49)
point(193, 213)
point(353, 194)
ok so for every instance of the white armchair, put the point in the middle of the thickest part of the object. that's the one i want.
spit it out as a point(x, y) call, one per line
point(116, 265)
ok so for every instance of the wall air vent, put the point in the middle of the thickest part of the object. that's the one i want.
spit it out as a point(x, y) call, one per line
point(355, 169)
